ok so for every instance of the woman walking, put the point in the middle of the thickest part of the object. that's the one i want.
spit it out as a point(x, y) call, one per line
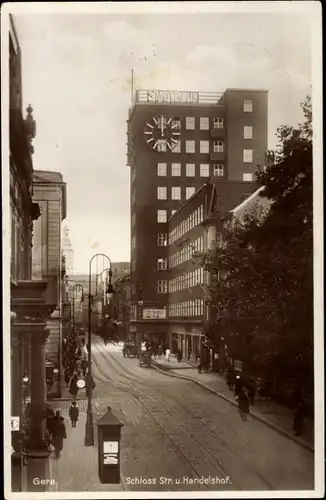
point(243, 402)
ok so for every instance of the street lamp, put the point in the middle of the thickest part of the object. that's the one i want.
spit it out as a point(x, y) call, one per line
point(89, 429)
point(74, 296)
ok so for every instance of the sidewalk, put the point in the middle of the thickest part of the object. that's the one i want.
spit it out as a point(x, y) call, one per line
point(77, 467)
point(270, 413)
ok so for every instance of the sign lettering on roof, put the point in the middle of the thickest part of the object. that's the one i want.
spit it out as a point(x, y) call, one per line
point(172, 96)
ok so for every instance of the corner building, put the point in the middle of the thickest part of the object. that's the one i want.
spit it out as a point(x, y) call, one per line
point(176, 142)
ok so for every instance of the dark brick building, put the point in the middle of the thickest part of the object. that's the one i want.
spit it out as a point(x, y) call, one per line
point(177, 141)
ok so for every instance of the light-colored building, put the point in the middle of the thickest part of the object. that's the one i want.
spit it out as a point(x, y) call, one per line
point(67, 250)
point(193, 230)
point(50, 194)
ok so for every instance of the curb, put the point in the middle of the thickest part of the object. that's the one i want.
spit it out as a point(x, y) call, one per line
point(254, 415)
point(80, 398)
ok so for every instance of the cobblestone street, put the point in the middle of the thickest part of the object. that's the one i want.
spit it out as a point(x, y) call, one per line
point(175, 435)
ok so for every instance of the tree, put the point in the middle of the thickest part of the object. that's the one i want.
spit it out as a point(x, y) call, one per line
point(262, 275)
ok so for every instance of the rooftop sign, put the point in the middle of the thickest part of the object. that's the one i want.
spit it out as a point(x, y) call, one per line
point(176, 97)
point(172, 96)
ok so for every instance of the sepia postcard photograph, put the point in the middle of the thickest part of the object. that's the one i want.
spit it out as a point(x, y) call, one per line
point(162, 213)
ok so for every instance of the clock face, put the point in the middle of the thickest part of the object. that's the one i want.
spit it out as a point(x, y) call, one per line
point(162, 134)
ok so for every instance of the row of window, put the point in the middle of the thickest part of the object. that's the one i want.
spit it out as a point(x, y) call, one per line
point(187, 280)
point(187, 308)
point(186, 225)
point(204, 122)
point(175, 192)
point(187, 252)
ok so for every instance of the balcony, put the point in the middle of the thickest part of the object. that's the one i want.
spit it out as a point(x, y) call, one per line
point(217, 133)
point(217, 156)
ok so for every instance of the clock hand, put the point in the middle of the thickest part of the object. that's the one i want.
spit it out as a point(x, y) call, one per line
point(162, 126)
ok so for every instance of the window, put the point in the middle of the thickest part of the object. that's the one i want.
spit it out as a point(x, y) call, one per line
point(173, 212)
point(133, 242)
point(204, 123)
point(218, 147)
point(176, 193)
point(161, 146)
point(176, 124)
point(190, 169)
point(177, 147)
point(161, 216)
point(248, 106)
point(247, 177)
point(161, 169)
point(162, 286)
point(161, 239)
point(248, 155)
point(190, 146)
point(218, 123)
point(161, 193)
point(133, 175)
point(190, 123)
point(204, 147)
point(162, 264)
point(218, 170)
point(189, 192)
point(133, 220)
point(176, 170)
point(204, 170)
point(247, 132)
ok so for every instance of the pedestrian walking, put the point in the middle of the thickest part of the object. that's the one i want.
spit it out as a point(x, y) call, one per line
point(243, 402)
point(73, 413)
point(84, 365)
point(58, 433)
point(160, 351)
point(230, 378)
point(199, 365)
point(67, 377)
point(179, 355)
point(167, 354)
point(73, 389)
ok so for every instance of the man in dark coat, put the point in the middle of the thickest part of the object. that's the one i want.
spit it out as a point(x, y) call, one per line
point(73, 413)
point(73, 389)
point(58, 433)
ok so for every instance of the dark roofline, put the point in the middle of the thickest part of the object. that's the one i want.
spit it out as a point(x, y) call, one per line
point(192, 197)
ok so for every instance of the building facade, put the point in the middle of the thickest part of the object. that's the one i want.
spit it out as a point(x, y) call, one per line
point(49, 191)
point(119, 309)
point(67, 250)
point(176, 142)
point(29, 308)
point(193, 230)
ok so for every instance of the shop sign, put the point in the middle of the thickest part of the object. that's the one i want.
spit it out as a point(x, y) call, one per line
point(154, 313)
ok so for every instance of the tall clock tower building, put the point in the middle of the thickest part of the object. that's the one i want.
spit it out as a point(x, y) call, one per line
point(176, 141)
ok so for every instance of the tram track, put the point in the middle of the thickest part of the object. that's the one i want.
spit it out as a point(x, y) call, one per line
point(126, 388)
point(131, 377)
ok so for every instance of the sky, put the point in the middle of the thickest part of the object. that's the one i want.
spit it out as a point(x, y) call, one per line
point(76, 73)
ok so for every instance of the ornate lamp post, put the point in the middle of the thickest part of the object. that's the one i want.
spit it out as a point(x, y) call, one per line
point(89, 429)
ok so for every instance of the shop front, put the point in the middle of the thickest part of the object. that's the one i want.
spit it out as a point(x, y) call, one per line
point(186, 339)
